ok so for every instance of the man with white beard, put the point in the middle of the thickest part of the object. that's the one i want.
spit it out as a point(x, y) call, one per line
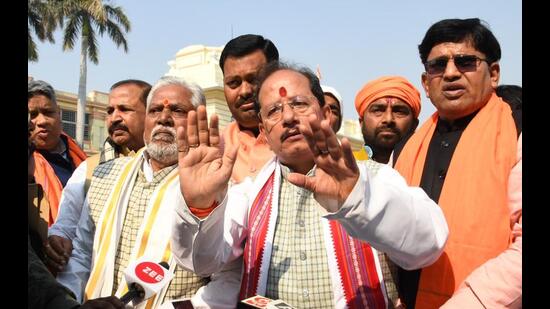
point(128, 208)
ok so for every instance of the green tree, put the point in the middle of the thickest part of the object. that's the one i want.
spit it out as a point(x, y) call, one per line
point(87, 19)
point(42, 20)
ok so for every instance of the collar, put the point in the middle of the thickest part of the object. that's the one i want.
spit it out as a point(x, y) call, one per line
point(445, 126)
point(285, 170)
point(148, 169)
point(255, 132)
point(61, 147)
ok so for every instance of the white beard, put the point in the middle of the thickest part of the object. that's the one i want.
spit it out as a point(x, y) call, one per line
point(160, 150)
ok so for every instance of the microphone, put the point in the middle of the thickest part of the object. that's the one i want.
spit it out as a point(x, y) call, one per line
point(259, 301)
point(145, 279)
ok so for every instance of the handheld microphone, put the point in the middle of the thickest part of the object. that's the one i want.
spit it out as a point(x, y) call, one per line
point(145, 279)
point(259, 301)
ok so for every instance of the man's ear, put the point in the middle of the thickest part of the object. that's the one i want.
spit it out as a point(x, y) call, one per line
point(494, 69)
point(326, 113)
point(424, 78)
point(263, 132)
point(414, 124)
point(261, 126)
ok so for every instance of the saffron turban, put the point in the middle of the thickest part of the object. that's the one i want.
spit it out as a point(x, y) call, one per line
point(388, 86)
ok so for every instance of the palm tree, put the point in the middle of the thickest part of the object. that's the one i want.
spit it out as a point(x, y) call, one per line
point(87, 19)
point(42, 20)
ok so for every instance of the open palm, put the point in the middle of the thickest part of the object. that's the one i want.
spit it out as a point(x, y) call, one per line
point(336, 172)
point(204, 170)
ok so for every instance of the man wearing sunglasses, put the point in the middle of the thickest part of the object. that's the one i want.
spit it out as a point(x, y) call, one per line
point(468, 158)
point(306, 224)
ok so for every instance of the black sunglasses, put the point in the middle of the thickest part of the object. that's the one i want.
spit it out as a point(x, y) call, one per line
point(464, 63)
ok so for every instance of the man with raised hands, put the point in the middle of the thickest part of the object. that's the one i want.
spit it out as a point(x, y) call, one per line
point(309, 227)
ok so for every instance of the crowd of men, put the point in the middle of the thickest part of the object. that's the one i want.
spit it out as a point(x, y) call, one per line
point(426, 215)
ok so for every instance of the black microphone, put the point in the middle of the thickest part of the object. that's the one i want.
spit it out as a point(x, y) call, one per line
point(144, 280)
point(135, 291)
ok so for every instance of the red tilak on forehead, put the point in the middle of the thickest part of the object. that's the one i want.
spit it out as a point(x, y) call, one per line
point(282, 92)
point(165, 102)
point(389, 100)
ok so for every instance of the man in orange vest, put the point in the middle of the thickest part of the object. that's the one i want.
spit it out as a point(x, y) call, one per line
point(57, 154)
point(468, 158)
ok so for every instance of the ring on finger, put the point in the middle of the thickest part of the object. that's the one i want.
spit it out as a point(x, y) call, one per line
point(323, 152)
point(194, 146)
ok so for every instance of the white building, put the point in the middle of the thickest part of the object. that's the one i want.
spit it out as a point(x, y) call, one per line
point(200, 64)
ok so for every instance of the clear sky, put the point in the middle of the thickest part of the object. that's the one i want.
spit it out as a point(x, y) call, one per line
point(352, 41)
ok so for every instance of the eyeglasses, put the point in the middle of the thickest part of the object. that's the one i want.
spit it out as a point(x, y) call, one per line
point(464, 63)
point(298, 104)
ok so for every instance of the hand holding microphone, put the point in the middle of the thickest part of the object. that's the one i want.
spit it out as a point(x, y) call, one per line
point(145, 279)
point(259, 301)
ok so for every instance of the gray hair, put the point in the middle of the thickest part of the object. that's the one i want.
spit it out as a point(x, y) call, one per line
point(40, 87)
point(197, 95)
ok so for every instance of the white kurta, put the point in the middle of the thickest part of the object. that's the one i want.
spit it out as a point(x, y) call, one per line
point(381, 210)
point(77, 272)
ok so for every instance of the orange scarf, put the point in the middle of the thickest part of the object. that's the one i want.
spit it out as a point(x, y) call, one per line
point(473, 197)
point(46, 177)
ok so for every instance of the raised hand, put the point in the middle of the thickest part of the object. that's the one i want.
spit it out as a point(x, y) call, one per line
point(204, 170)
point(336, 172)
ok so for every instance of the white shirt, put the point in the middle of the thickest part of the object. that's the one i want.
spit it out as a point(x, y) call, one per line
point(382, 210)
point(70, 205)
point(73, 199)
point(223, 285)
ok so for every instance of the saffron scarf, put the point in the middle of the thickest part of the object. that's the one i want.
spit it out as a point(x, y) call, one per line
point(353, 265)
point(473, 197)
point(46, 177)
point(153, 237)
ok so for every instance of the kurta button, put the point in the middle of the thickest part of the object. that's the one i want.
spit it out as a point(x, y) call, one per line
point(303, 256)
